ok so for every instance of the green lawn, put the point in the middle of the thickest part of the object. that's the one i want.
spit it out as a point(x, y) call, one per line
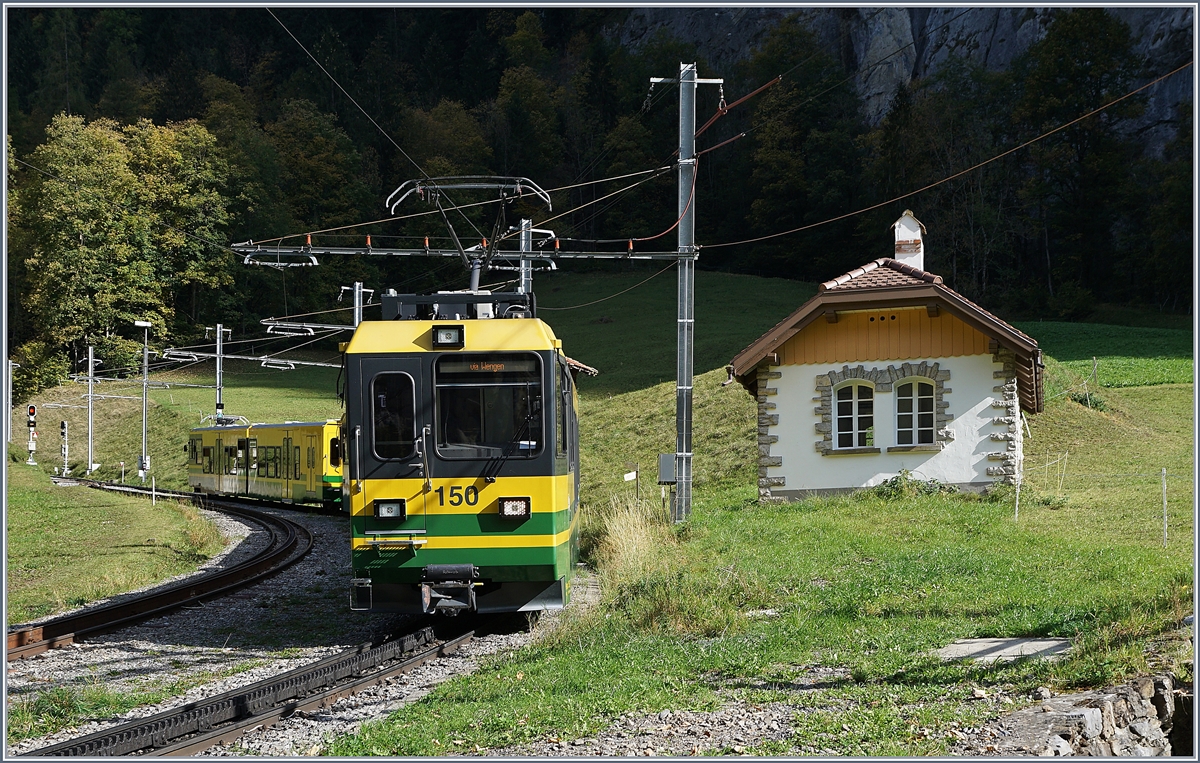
point(1125, 356)
point(71, 545)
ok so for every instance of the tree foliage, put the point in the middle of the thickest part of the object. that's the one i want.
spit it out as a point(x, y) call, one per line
point(159, 132)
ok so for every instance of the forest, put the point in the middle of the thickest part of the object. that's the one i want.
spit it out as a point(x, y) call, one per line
point(141, 142)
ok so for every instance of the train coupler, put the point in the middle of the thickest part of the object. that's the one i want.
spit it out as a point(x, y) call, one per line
point(448, 588)
point(360, 594)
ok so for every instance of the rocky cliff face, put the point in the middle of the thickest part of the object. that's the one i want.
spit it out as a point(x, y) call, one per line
point(914, 42)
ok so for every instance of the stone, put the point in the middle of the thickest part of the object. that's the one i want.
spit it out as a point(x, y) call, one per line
point(1089, 720)
point(1144, 687)
point(1041, 692)
point(1060, 747)
point(1141, 728)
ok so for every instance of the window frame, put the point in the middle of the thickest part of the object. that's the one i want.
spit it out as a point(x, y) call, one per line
point(540, 394)
point(915, 429)
point(412, 389)
point(860, 437)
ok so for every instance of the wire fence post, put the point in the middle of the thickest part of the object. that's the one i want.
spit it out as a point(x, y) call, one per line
point(1164, 491)
point(153, 492)
point(1017, 502)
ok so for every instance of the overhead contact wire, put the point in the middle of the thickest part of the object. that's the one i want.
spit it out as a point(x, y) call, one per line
point(612, 296)
point(959, 174)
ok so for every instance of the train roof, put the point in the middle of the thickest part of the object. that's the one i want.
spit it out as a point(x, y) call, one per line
point(284, 425)
point(499, 334)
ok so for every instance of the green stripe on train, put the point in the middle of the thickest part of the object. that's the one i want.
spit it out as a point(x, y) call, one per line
point(470, 525)
point(511, 563)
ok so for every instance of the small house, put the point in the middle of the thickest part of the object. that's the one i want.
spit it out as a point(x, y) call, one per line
point(888, 369)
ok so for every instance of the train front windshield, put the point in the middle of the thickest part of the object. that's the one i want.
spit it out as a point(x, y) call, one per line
point(488, 405)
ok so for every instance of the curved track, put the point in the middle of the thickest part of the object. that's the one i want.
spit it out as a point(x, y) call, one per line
point(289, 542)
point(221, 719)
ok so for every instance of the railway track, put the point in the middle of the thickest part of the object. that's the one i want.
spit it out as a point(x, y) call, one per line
point(288, 542)
point(222, 719)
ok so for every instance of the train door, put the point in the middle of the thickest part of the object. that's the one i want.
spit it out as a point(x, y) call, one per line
point(312, 463)
point(219, 465)
point(285, 468)
point(388, 458)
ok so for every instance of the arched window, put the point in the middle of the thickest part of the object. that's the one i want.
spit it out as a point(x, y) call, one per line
point(855, 416)
point(914, 413)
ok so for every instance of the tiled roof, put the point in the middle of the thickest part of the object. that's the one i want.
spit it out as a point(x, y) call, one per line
point(881, 273)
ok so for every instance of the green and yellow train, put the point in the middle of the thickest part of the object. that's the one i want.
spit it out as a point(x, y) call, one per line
point(460, 452)
point(294, 462)
point(462, 457)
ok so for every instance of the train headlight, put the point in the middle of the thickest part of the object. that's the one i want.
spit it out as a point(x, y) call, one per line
point(514, 508)
point(391, 509)
point(448, 337)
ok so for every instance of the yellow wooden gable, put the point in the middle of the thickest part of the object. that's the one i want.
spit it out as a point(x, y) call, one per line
point(884, 334)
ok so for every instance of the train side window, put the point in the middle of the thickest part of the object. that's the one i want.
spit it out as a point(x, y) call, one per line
point(335, 452)
point(207, 466)
point(563, 407)
point(393, 403)
point(296, 464)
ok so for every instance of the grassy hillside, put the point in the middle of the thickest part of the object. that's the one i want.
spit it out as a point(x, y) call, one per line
point(738, 602)
point(630, 338)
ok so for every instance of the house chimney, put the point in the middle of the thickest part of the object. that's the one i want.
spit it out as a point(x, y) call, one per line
point(910, 249)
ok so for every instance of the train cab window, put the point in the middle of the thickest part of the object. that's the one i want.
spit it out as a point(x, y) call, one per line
point(335, 452)
point(393, 423)
point(488, 405)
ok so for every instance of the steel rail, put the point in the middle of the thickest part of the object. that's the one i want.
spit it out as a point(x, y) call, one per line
point(289, 542)
point(221, 719)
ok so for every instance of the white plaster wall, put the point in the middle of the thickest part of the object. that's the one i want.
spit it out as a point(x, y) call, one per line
point(963, 460)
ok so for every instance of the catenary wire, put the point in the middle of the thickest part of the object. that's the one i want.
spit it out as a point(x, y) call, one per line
point(611, 296)
point(960, 173)
point(364, 111)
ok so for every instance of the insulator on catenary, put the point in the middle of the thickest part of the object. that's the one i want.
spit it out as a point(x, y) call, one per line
point(368, 240)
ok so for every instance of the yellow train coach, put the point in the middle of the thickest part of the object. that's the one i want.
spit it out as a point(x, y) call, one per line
point(293, 462)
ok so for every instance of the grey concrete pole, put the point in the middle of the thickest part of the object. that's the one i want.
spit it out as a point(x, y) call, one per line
point(685, 322)
point(358, 296)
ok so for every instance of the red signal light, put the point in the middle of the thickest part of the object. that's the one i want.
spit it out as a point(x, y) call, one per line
point(33, 410)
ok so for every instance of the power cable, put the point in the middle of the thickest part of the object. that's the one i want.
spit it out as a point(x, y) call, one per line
point(364, 111)
point(613, 296)
point(959, 174)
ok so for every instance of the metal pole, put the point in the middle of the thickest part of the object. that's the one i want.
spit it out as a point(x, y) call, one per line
point(91, 381)
point(220, 372)
point(685, 322)
point(358, 290)
point(8, 401)
point(142, 467)
point(525, 284)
